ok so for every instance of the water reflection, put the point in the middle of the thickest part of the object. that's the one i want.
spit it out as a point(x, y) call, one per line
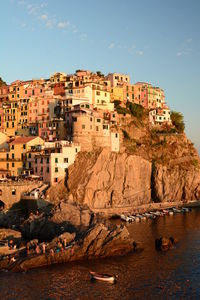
point(146, 275)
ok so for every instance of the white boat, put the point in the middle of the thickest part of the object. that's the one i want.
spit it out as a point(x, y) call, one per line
point(185, 209)
point(103, 277)
point(124, 218)
point(132, 217)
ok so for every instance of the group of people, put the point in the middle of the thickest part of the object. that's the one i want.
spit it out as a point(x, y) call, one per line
point(34, 247)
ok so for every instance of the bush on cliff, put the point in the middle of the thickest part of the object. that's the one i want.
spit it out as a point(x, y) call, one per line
point(122, 110)
point(2, 82)
point(135, 109)
point(178, 121)
point(125, 134)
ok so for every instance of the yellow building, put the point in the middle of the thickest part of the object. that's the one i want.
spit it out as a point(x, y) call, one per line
point(11, 117)
point(58, 77)
point(17, 156)
point(117, 93)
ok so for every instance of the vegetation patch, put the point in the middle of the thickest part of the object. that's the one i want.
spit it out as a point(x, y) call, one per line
point(178, 121)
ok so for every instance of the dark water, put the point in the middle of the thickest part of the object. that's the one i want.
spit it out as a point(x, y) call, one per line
point(147, 275)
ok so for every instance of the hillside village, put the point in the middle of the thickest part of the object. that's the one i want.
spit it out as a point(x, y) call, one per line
point(44, 123)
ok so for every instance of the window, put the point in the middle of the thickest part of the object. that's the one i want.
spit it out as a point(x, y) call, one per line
point(105, 127)
point(99, 120)
point(7, 166)
point(24, 146)
point(66, 160)
point(97, 128)
point(13, 192)
point(29, 155)
point(0, 192)
point(35, 169)
point(13, 155)
point(47, 160)
point(47, 169)
point(41, 160)
point(13, 165)
point(83, 126)
point(56, 170)
point(76, 150)
point(116, 135)
point(55, 179)
point(56, 160)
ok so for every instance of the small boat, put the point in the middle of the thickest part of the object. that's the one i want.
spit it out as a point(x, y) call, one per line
point(132, 217)
point(185, 209)
point(103, 277)
point(123, 218)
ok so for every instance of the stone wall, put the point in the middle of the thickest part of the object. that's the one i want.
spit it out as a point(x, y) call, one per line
point(10, 192)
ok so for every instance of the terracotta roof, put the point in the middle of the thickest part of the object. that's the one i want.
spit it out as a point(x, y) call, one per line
point(23, 139)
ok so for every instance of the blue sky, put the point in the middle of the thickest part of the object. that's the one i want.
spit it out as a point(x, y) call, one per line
point(154, 41)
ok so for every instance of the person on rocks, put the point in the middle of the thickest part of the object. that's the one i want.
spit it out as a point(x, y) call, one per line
point(59, 247)
point(51, 252)
point(11, 244)
point(43, 248)
point(64, 243)
point(37, 249)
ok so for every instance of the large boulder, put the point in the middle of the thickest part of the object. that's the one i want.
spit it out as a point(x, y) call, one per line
point(99, 241)
point(164, 243)
point(65, 217)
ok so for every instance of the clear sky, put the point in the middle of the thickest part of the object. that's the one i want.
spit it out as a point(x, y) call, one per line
point(152, 40)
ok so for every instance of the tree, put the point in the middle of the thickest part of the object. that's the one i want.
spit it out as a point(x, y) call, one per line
point(178, 121)
point(100, 74)
point(2, 82)
point(135, 109)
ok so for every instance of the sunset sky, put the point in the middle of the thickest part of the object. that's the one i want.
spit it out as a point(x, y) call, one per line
point(153, 41)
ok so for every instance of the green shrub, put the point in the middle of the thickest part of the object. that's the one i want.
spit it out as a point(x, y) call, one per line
point(122, 110)
point(126, 135)
point(178, 121)
point(135, 109)
point(195, 163)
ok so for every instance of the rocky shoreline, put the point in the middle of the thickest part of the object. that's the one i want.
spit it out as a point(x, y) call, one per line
point(68, 232)
point(99, 241)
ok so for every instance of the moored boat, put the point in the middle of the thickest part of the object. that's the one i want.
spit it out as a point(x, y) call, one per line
point(103, 277)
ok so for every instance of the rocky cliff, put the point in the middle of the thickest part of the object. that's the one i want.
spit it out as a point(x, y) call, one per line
point(112, 180)
point(151, 166)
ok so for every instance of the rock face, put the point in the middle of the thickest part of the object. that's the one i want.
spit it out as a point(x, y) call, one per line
point(9, 234)
point(64, 217)
point(176, 182)
point(98, 242)
point(112, 180)
point(164, 244)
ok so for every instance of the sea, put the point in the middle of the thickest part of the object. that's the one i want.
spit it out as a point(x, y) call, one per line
point(150, 274)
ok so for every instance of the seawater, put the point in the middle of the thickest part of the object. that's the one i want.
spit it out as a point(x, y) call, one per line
point(147, 275)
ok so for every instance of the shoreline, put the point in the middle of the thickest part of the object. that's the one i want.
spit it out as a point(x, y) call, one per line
point(109, 212)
